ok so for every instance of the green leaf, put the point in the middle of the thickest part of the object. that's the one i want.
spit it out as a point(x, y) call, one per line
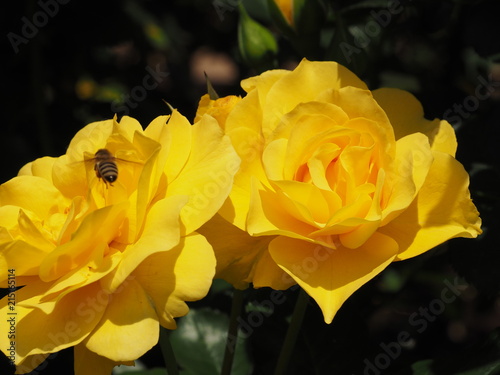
point(199, 342)
point(210, 89)
point(422, 367)
point(256, 43)
point(220, 286)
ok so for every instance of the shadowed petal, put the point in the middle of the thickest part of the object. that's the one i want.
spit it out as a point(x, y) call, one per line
point(129, 326)
point(331, 276)
point(442, 210)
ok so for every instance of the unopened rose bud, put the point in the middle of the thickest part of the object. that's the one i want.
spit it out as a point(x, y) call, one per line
point(300, 21)
point(299, 17)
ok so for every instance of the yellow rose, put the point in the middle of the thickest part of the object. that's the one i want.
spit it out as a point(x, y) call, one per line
point(102, 266)
point(218, 109)
point(336, 183)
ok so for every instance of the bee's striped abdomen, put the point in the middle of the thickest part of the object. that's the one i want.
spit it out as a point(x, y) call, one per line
point(107, 171)
point(105, 166)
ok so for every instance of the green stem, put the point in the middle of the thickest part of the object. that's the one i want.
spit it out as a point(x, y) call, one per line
point(168, 352)
point(232, 332)
point(292, 333)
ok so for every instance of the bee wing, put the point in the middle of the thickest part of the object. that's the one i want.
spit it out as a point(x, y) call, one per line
point(92, 161)
point(120, 160)
point(87, 163)
point(84, 161)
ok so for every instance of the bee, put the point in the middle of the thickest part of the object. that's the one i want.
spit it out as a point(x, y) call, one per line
point(105, 166)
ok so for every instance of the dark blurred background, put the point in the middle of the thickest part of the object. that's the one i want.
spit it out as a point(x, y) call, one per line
point(92, 59)
point(68, 63)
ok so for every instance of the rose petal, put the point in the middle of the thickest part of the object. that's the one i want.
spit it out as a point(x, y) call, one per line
point(268, 274)
point(41, 167)
point(360, 104)
point(73, 318)
point(88, 362)
point(263, 83)
point(127, 127)
point(70, 177)
point(127, 330)
point(87, 245)
point(331, 276)
point(404, 111)
point(413, 161)
point(407, 117)
point(30, 363)
point(72, 281)
point(21, 256)
point(183, 273)
point(318, 164)
point(218, 109)
point(243, 127)
point(306, 128)
point(89, 139)
point(274, 158)
point(442, 210)
point(174, 134)
point(242, 259)
point(267, 217)
point(443, 138)
point(33, 233)
point(161, 233)
point(34, 194)
point(303, 85)
point(9, 216)
point(208, 174)
point(303, 201)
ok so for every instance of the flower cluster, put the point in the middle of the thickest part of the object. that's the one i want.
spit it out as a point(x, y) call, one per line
point(336, 182)
point(102, 266)
point(310, 179)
